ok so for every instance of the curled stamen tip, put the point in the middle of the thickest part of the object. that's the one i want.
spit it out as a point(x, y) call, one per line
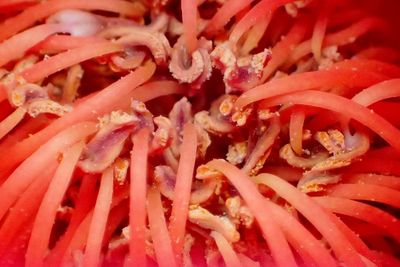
point(206, 172)
point(332, 140)
point(288, 154)
point(26, 93)
point(194, 68)
point(156, 42)
point(40, 106)
point(17, 99)
point(162, 55)
point(162, 137)
point(183, 74)
point(221, 224)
